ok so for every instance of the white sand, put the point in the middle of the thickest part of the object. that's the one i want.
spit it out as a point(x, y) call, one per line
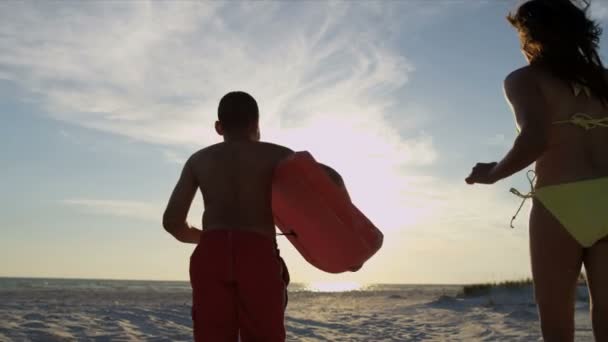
point(411, 314)
point(499, 316)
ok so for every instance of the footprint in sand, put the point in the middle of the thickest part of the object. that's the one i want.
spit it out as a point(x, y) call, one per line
point(523, 315)
point(34, 325)
point(47, 337)
point(34, 317)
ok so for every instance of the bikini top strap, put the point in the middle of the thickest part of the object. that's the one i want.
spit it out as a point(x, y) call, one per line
point(578, 88)
point(585, 121)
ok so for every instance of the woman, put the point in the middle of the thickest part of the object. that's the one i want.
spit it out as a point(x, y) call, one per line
point(560, 101)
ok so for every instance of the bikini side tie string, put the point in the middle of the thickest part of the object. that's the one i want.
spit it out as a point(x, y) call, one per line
point(531, 175)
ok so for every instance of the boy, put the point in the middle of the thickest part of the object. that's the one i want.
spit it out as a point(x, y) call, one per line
point(238, 278)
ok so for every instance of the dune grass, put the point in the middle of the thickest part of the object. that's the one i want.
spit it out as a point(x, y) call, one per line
point(477, 289)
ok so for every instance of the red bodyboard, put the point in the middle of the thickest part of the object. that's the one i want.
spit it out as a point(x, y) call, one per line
point(319, 219)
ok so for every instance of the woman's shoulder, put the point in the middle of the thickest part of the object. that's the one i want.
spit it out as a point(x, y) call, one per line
point(523, 81)
point(525, 74)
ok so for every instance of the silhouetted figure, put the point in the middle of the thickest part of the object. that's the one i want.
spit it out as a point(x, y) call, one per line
point(238, 279)
point(560, 101)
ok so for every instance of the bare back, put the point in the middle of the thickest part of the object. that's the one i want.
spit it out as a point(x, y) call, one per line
point(235, 179)
point(573, 153)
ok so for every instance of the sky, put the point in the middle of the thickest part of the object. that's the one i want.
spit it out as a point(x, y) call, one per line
point(102, 102)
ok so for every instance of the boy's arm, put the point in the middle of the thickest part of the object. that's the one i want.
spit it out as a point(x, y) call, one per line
point(335, 176)
point(174, 218)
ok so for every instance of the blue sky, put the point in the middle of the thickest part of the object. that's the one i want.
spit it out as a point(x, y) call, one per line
point(102, 102)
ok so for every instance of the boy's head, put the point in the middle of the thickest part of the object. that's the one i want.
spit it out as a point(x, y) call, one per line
point(238, 116)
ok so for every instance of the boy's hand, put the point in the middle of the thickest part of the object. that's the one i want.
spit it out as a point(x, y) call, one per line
point(336, 178)
point(482, 173)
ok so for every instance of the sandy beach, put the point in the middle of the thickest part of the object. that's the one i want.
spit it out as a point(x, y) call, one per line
point(76, 310)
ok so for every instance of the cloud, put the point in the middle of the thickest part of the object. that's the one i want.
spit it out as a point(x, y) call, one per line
point(599, 10)
point(174, 157)
point(327, 76)
point(131, 209)
point(155, 71)
point(498, 140)
point(138, 210)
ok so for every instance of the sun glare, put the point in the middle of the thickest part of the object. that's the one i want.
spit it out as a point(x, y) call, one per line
point(374, 174)
point(334, 286)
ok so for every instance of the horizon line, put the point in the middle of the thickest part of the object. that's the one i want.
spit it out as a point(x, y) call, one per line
point(296, 282)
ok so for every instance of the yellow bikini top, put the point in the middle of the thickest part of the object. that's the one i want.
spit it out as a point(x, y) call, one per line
point(583, 120)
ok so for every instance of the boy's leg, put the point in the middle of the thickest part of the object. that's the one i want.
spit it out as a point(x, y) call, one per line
point(261, 290)
point(286, 278)
point(214, 306)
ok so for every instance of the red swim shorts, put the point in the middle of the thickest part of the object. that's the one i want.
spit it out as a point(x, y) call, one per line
point(239, 286)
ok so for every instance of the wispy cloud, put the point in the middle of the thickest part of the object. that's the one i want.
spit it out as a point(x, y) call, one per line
point(137, 210)
point(498, 140)
point(174, 157)
point(326, 74)
point(599, 10)
point(155, 71)
point(130, 209)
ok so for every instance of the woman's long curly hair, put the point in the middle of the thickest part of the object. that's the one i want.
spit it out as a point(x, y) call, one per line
point(558, 35)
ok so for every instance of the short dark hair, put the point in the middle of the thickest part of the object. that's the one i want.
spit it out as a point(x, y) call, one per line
point(237, 111)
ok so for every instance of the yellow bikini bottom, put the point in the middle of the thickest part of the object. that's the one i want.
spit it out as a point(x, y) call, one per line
point(581, 207)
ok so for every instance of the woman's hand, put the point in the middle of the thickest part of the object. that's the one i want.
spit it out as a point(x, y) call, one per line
point(482, 173)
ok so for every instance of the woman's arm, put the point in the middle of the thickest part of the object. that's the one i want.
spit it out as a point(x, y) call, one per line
point(529, 105)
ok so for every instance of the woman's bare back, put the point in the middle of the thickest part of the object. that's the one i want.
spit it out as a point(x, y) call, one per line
point(573, 153)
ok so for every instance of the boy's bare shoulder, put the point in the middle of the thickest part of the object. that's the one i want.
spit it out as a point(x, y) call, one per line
point(269, 149)
point(277, 150)
point(200, 154)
